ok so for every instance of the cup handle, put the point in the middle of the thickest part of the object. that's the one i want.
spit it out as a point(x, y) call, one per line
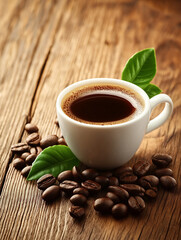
point(164, 115)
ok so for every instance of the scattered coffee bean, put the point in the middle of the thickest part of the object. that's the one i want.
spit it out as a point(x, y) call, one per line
point(49, 141)
point(120, 192)
point(113, 181)
point(61, 141)
point(30, 159)
point(102, 180)
point(151, 193)
point(168, 182)
point(163, 172)
point(152, 169)
point(148, 181)
point(106, 173)
point(123, 170)
point(136, 203)
point(133, 189)
point(51, 193)
point(25, 171)
point(33, 139)
point(161, 160)
point(78, 199)
point(36, 150)
point(33, 150)
point(89, 173)
point(46, 181)
point(81, 190)
point(68, 186)
point(30, 128)
point(76, 211)
point(91, 186)
point(19, 163)
point(25, 155)
point(113, 197)
point(103, 205)
point(20, 148)
point(77, 172)
point(141, 168)
point(119, 210)
point(65, 175)
point(128, 179)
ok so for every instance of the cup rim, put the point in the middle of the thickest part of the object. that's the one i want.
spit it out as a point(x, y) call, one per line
point(103, 80)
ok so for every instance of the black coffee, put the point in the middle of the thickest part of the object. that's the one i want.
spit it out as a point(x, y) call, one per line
point(102, 104)
point(101, 108)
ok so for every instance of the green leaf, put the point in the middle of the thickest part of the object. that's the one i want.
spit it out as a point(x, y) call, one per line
point(152, 90)
point(140, 68)
point(53, 160)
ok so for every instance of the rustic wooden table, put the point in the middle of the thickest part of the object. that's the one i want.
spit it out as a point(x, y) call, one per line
point(47, 45)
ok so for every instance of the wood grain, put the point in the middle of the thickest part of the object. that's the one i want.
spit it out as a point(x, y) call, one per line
point(46, 47)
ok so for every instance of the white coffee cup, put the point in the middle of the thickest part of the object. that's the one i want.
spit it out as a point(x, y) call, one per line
point(110, 146)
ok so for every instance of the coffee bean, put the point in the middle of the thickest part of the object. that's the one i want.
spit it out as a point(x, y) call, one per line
point(161, 160)
point(46, 181)
point(61, 141)
point(152, 169)
point(81, 190)
point(30, 159)
point(19, 163)
point(113, 197)
point(128, 179)
point(136, 203)
point(25, 155)
point(148, 181)
point(68, 186)
point(65, 175)
point(20, 148)
point(78, 199)
point(33, 139)
point(113, 181)
point(103, 205)
point(89, 173)
point(91, 186)
point(168, 182)
point(76, 211)
point(30, 128)
point(51, 193)
point(119, 210)
point(105, 173)
point(120, 192)
point(25, 171)
point(151, 193)
point(163, 172)
point(36, 150)
point(102, 180)
point(49, 141)
point(77, 172)
point(133, 189)
point(33, 150)
point(141, 168)
point(123, 170)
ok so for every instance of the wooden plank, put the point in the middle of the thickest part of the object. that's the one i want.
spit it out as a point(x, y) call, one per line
point(28, 31)
point(95, 40)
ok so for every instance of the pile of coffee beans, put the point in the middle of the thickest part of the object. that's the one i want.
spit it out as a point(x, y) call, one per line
point(118, 192)
point(26, 153)
point(123, 190)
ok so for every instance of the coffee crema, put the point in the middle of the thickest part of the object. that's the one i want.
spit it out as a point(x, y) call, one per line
point(102, 104)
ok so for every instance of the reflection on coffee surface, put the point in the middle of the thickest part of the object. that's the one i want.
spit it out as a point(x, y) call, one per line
point(102, 104)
